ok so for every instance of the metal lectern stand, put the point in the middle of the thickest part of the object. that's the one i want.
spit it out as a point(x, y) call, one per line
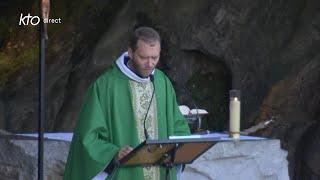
point(168, 153)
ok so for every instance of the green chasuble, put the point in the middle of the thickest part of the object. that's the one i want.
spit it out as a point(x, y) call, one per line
point(107, 122)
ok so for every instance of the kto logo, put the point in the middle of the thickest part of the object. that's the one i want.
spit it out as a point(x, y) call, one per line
point(24, 20)
point(35, 20)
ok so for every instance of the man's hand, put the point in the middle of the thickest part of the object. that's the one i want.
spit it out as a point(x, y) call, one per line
point(123, 152)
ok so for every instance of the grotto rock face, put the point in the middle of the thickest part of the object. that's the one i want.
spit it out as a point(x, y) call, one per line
point(19, 158)
point(267, 49)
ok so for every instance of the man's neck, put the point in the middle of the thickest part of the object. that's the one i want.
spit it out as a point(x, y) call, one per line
point(131, 67)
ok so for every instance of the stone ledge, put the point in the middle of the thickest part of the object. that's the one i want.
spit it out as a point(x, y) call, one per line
point(263, 159)
point(18, 159)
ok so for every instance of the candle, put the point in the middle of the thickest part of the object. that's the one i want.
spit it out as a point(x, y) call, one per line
point(234, 126)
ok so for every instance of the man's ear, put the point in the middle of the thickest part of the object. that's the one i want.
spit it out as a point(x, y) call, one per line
point(130, 52)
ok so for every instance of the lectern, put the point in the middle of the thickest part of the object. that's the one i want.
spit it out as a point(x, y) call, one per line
point(168, 152)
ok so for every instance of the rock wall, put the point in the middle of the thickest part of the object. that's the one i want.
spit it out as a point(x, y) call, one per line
point(267, 49)
point(19, 159)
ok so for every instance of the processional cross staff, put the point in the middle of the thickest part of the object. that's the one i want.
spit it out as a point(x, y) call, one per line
point(44, 7)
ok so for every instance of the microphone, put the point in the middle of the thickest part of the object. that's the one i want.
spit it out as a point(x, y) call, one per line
point(146, 135)
point(151, 76)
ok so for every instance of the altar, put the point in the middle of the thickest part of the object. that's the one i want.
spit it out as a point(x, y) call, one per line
point(254, 158)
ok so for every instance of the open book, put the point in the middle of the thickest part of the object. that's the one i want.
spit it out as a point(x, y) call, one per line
point(185, 110)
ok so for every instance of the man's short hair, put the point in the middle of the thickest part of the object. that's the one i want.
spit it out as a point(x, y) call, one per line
point(146, 34)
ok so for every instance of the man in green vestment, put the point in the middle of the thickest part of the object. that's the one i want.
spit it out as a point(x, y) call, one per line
point(119, 112)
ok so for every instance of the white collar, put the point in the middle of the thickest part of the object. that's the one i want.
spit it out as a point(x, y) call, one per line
point(128, 72)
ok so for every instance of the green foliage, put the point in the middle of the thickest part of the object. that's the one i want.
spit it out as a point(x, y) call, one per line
point(14, 56)
point(28, 57)
point(4, 27)
point(10, 64)
point(6, 69)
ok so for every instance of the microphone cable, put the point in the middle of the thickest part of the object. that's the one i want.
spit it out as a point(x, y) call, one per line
point(146, 135)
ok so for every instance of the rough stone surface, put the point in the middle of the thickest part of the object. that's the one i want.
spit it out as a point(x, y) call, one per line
point(19, 159)
point(260, 160)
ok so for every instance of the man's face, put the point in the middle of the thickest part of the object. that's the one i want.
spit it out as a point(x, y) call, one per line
point(145, 57)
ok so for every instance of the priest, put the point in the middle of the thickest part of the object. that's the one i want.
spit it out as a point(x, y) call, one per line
point(131, 102)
